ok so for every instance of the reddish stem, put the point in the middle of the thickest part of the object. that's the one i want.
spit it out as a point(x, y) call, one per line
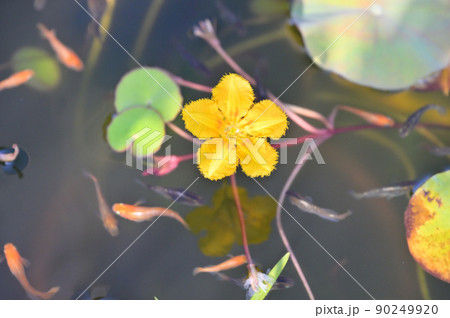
point(283, 236)
point(186, 157)
point(199, 87)
point(250, 264)
point(348, 129)
point(182, 133)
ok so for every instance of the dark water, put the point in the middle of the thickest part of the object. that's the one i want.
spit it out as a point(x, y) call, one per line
point(50, 214)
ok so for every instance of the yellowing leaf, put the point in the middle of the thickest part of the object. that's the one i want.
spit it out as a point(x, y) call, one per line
point(219, 225)
point(427, 221)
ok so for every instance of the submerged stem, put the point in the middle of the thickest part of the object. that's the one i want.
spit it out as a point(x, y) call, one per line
point(182, 133)
point(284, 238)
point(199, 87)
point(422, 279)
point(232, 63)
point(299, 121)
point(146, 28)
point(244, 46)
point(309, 113)
point(250, 264)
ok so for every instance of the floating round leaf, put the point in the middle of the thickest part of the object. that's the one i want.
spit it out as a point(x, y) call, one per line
point(140, 126)
point(47, 73)
point(17, 165)
point(151, 87)
point(390, 46)
point(427, 221)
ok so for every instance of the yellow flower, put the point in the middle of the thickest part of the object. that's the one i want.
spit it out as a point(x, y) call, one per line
point(235, 130)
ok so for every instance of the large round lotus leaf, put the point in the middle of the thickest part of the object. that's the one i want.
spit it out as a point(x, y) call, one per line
point(141, 127)
point(151, 87)
point(47, 72)
point(391, 46)
point(427, 222)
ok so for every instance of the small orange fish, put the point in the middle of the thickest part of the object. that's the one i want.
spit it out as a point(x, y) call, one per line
point(15, 264)
point(137, 213)
point(108, 219)
point(228, 264)
point(68, 57)
point(373, 118)
point(16, 79)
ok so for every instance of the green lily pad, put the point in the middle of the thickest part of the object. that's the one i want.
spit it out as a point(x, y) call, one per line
point(220, 224)
point(390, 47)
point(427, 221)
point(140, 126)
point(150, 87)
point(47, 73)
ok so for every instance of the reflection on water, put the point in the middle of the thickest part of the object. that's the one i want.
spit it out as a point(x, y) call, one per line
point(51, 214)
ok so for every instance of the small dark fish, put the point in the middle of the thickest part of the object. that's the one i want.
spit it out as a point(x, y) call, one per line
point(182, 196)
point(20, 159)
point(414, 118)
point(39, 4)
point(437, 151)
point(193, 62)
point(389, 192)
point(305, 204)
point(230, 17)
point(282, 282)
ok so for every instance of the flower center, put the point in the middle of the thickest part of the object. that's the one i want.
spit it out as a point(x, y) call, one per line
point(231, 130)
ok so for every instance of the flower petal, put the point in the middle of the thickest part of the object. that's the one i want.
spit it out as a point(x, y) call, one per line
point(257, 157)
point(234, 96)
point(265, 119)
point(217, 158)
point(203, 119)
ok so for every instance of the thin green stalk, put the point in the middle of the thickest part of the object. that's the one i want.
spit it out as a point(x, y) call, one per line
point(422, 279)
point(93, 57)
point(146, 28)
point(97, 42)
point(252, 43)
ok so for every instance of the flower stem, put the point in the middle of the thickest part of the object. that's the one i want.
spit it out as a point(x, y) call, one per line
point(250, 264)
point(217, 46)
point(309, 113)
point(294, 117)
point(186, 157)
point(198, 87)
point(286, 187)
point(232, 63)
point(180, 158)
point(183, 134)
